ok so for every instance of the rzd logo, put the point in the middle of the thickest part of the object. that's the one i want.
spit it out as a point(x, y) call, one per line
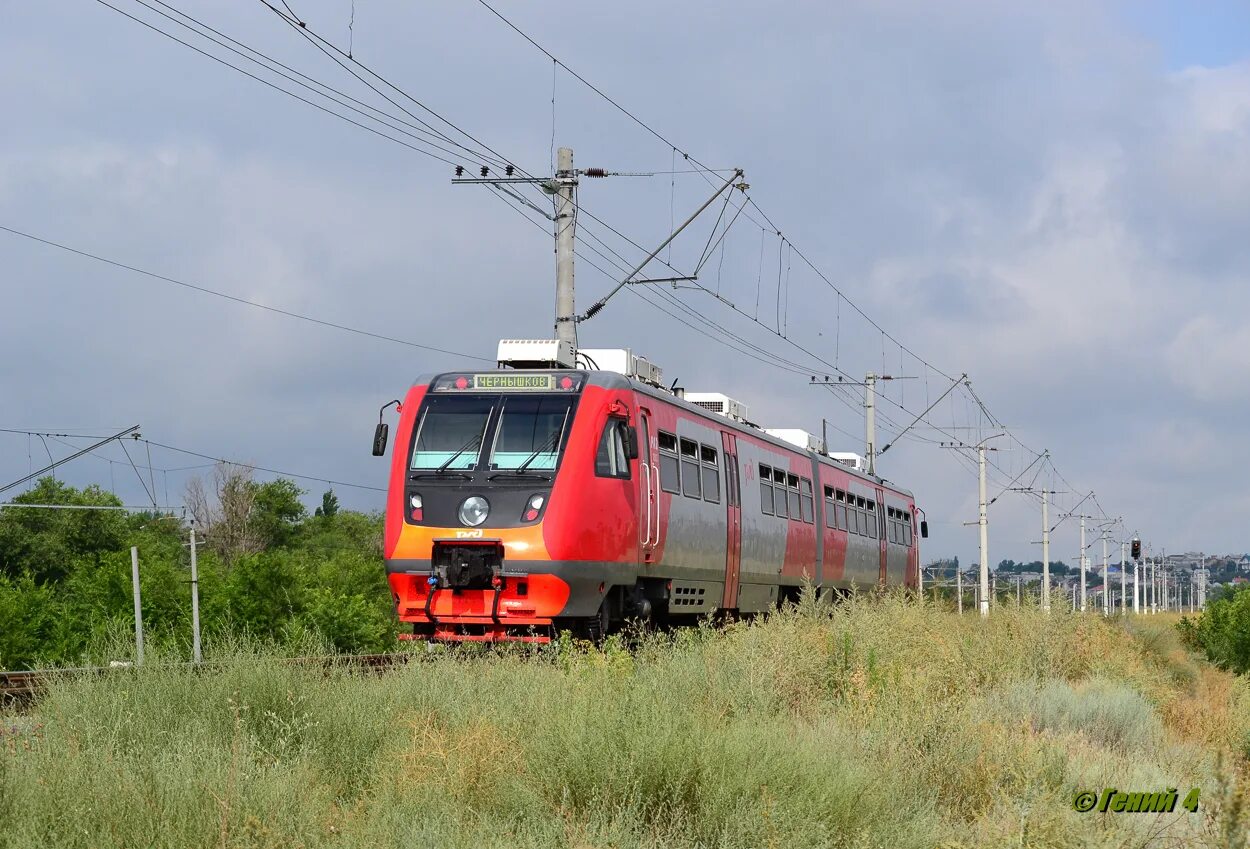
point(469, 534)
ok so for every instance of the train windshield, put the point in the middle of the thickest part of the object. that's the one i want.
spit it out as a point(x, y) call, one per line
point(531, 432)
point(512, 433)
point(451, 431)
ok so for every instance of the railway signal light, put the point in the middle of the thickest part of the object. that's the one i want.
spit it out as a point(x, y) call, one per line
point(1135, 549)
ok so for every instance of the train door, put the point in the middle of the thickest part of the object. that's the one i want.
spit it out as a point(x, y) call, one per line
point(649, 489)
point(879, 518)
point(733, 523)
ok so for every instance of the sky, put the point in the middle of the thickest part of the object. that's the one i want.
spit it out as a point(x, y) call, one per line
point(1049, 198)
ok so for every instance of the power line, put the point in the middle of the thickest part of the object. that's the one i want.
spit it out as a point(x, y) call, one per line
point(305, 81)
point(276, 87)
point(263, 468)
point(236, 299)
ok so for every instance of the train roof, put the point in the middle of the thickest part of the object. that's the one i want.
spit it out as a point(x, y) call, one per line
point(615, 380)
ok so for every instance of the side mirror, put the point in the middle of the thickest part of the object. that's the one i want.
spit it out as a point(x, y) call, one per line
point(924, 529)
point(630, 436)
point(379, 439)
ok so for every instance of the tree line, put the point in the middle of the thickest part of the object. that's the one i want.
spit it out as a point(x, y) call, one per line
point(268, 570)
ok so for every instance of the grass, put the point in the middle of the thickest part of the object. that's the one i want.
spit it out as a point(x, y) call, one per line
point(871, 723)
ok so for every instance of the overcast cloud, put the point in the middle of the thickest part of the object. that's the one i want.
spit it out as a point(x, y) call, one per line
point(1052, 199)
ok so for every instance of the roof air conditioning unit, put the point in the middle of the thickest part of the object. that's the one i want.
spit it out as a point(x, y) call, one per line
point(622, 361)
point(796, 437)
point(535, 353)
point(850, 458)
point(718, 403)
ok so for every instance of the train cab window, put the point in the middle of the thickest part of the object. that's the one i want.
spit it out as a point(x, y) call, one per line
point(766, 490)
point(806, 506)
point(610, 461)
point(710, 471)
point(451, 432)
point(690, 469)
point(670, 476)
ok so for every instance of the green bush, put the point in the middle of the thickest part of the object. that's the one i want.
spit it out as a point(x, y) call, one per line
point(1223, 630)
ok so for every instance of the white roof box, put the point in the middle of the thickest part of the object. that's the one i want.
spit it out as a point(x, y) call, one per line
point(718, 403)
point(536, 353)
point(796, 437)
point(622, 361)
point(850, 458)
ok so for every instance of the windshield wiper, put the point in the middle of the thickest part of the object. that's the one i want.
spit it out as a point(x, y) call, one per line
point(472, 443)
point(546, 446)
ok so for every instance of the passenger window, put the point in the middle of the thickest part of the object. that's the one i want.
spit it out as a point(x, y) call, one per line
point(670, 476)
point(711, 474)
point(610, 461)
point(690, 468)
point(807, 507)
point(766, 490)
point(792, 496)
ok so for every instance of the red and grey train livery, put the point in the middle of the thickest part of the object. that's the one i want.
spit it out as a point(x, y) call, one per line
point(523, 502)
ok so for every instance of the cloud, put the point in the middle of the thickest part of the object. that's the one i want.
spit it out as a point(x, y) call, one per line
point(1027, 195)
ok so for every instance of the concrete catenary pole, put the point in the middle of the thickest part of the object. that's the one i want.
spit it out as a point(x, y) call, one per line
point(1045, 555)
point(1154, 588)
point(1082, 564)
point(196, 655)
point(959, 589)
point(1106, 578)
point(566, 185)
point(1124, 578)
point(982, 520)
point(134, 579)
point(870, 421)
point(1137, 586)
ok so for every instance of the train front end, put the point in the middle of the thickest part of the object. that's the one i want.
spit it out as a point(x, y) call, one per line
point(481, 470)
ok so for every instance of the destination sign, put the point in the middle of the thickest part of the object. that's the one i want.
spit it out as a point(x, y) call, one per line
point(505, 382)
point(544, 382)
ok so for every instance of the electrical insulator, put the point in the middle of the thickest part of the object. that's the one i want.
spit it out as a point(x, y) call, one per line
point(485, 170)
point(508, 170)
point(459, 170)
point(595, 172)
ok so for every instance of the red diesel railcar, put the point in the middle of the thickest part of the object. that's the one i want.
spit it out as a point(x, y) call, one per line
point(522, 502)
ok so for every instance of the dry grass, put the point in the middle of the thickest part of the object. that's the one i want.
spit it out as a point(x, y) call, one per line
point(872, 723)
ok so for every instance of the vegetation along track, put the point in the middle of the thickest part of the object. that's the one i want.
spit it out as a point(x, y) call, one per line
point(20, 686)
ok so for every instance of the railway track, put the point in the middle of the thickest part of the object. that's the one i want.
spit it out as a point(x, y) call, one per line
point(22, 686)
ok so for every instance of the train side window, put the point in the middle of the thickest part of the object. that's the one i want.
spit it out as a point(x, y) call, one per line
point(806, 506)
point(907, 530)
point(766, 490)
point(792, 496)
point(831, 516)
point(690, 469)
point(711, 474)
point(779, 492)
point(670, 476)
point(843, 521)
point(610, 461)
point(871, 516)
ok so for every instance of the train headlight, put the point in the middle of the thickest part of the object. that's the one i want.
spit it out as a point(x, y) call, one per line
point(415, 507)
point(474, 510)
